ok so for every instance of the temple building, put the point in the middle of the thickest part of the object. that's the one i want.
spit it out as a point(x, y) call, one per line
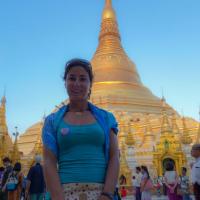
point(151, 131)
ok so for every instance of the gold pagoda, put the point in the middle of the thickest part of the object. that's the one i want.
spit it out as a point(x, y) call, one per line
point(144, 122)
point(5, 140)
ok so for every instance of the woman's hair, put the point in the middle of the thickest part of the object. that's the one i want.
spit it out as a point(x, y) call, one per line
point(79, 62)
point(138, 168)
point(2, 169)
point(184, 169)
point(17, 167)
point(146, 170)
point(6, 159)
point(169, 166)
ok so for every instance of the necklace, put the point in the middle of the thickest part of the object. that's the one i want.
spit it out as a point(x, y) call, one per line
point(79, 114)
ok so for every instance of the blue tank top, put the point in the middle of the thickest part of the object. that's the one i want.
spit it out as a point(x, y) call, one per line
point(81, 153)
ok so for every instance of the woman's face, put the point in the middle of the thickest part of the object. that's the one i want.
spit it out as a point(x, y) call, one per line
point(77, 83)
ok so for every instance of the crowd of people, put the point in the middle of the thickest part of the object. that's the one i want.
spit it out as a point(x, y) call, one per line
point(176, 187)
point(81, 154)
point(15, 186)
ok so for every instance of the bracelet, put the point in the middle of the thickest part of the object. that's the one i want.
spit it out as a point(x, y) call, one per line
point(109, 195)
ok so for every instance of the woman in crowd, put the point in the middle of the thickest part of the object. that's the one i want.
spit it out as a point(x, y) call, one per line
point(81, 139)
point(184, 185)
point(146, 184)
point(171, 181)
point(18, 176)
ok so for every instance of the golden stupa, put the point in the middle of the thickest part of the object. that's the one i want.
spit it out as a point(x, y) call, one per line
point(6, 146)
point(117, 84)
point(145, 121)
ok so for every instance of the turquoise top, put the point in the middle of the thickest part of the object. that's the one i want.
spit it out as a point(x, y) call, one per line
point(81, 153)
point(104, 118)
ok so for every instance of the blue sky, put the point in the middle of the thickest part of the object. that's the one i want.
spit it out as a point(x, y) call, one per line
point(37, 37)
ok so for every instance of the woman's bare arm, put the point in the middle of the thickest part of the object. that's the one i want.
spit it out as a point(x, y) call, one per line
point(113, 165)
point(51, 175)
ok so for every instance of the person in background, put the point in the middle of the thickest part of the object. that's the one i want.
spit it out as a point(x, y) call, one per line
point(8, 169)
point(123, 192)
point(122, 180)
point(35, 183)
point(16, 172)
point(138, 179)
point(195, 172)
point(171, 181)
point(133, 186)
point(1, 177)
point(1, 174)
point(158, 186)
point(146, 184)
point(80, 145)
point(184, 184)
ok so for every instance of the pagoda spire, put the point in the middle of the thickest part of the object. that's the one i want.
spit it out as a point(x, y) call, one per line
point(198, 132)
point(108, 12)
point(175, 128)
point(129, 140)
point(109, 3)
point(124, 167)
point(186, 139)
point(165, 126)
point(15, 155)
point(148, 136)
point(110, 56)
point(198, 135)
point(3, 125)
point(109, 24)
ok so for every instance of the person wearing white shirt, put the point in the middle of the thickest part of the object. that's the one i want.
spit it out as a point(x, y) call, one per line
point(137, 183)
point(195, 172)
point(171, 181)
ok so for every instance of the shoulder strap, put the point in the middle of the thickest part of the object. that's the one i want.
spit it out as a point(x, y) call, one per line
point(57, 119)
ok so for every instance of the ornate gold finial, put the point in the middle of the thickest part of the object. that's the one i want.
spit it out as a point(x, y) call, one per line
point(148, 128)
point(108, 12)
point(198, 135)
point(124, 168)
point(129, 138)
point(3, 129)
point(198, 132)
point(148, 139)
point(15, 154)
point(109, 3)
point(3, 99)
point(38, 146)
point(165, 126)
point(175, 128)
point(109, 25)
point(185, 138)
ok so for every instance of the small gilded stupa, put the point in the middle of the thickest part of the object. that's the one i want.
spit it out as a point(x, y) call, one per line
point(5, 140)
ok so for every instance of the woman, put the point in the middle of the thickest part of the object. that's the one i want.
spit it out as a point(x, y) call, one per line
point(81, 139)
point(146, 184)
point(171, 181)
point(19, 176)
point(1, 178)
point(184, 184)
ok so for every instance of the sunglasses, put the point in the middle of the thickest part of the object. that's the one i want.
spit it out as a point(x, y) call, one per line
point(78, 61)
